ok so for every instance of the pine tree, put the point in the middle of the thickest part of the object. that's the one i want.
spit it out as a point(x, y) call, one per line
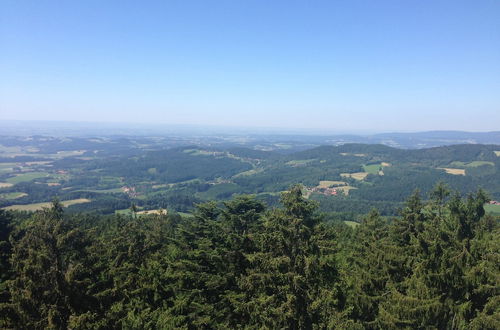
point(52, 272)
point(292, 281)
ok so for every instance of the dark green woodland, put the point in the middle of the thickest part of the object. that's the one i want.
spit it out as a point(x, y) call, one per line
point(239, 264)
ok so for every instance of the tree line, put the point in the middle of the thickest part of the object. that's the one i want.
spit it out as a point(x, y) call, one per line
point(241, 265)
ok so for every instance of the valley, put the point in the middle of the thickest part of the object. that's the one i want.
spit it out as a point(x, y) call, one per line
point(112, 173)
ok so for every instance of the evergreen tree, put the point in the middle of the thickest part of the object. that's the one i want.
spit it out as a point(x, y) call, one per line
point(292, 282)
point(51, 272)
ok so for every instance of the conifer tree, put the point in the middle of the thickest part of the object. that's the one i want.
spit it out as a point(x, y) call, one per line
point(52, 272)
point(292, 280)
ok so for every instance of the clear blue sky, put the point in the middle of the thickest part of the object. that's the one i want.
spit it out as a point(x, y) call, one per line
point(340, 65)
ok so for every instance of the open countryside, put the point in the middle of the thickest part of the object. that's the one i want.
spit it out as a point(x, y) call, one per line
point(39, 206)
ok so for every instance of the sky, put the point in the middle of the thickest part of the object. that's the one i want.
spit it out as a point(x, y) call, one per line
point(344, 66)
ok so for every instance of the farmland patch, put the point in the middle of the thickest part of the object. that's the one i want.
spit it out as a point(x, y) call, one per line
point(475, 163)
point(453, 171)
point(328, 184)
point(357, 176)
point(13, 195)
point(352, 224)
point(39, 206)
point(492, 208)
point(25, 177)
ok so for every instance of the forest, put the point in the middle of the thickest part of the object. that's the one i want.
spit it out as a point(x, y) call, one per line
point(107, 175)
point(242, 264)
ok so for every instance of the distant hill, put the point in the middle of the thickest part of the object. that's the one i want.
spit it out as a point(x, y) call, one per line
point(436, 138)
point(176, 173)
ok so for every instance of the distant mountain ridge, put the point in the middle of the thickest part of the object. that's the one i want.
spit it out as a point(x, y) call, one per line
point(437, 138)
point(255, 138)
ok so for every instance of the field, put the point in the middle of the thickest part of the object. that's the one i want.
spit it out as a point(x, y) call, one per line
point(497, 153)
point(12, 195)
point(454, 171)
point(345, 189)
point(123, 212)
point(372, 169)
point(249, 172)
point(352, 224)
point(328, 184)
point(39, 206)
point(25, 177)
point(69, 153)
point(5, 184)
point(163, 185)
point(475, 163)
point(6, 167)
point(357, 176)
point(491, 208)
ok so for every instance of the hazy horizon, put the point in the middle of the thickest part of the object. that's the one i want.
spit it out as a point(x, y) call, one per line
point(48, 127)
point(384, 66)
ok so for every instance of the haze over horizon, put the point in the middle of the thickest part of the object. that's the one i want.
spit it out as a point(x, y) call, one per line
point(346, 66)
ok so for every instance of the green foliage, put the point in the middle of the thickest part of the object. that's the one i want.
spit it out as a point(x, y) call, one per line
point(238, 264)
point(52, 271)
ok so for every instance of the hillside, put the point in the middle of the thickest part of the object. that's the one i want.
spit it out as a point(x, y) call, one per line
point(113, 173)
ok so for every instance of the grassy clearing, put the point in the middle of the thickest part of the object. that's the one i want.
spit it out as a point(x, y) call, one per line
point(248, 173)
point(491, 208)
point(328, 184)
point(372, 168)
point(13, 195)
point(39, 206)
point(10, 151)
point(346, 189)
point(163, 185)
point(283, 145)
point(110, 180)
point(69, 153)
point(357, 176)
point(352, 224)
point(25, 177)
point(5, 184)
point(7, 167)
point(454, 171)
point(475, 163)
point(497, 153)
point(123, 212)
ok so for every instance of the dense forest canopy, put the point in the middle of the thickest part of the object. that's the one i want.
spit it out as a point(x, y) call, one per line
point(241, 264)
